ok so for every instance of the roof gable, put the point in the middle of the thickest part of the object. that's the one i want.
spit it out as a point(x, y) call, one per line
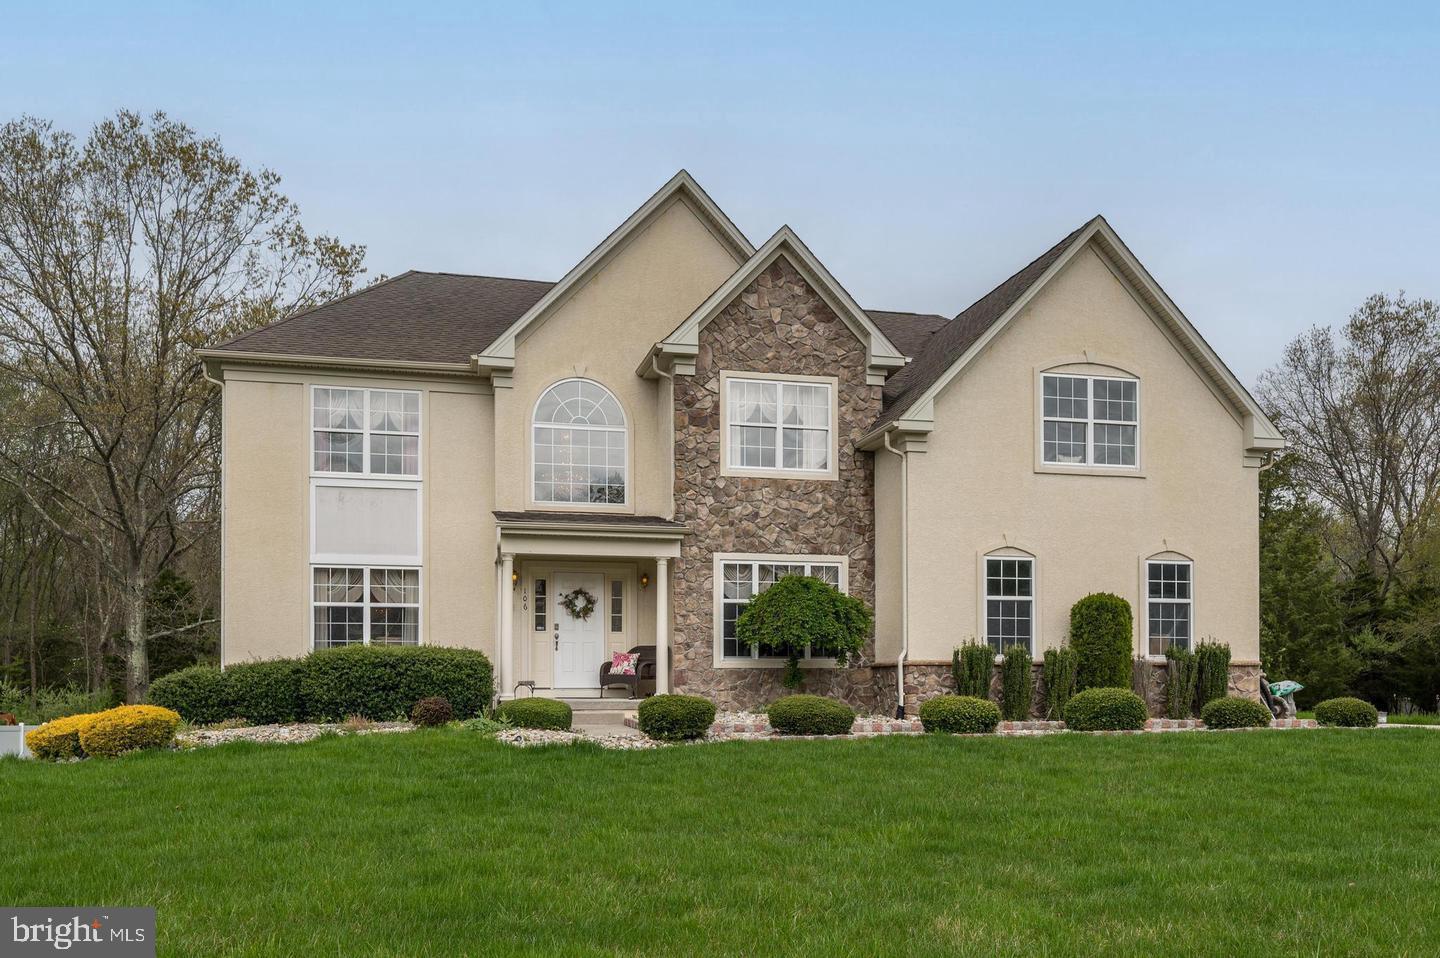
point(953, 347)
point(498, 357)
point(683, 343)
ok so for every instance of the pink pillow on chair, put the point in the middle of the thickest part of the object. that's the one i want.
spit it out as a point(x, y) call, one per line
point(623, 663)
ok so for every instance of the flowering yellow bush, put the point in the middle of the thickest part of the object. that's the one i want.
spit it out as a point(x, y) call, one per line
point(128, 727)
point(60, 738)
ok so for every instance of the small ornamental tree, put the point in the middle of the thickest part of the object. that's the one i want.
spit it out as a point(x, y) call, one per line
point(800, 611)
point(1101, 633)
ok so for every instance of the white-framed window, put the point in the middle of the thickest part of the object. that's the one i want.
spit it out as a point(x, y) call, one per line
point(779, 425)
point(365, 432)
point(617, 605)
point(364, 605)
point(1009, 602)
point(743, 579)
point(579, 445)
point(1090, 420)
point(1169, 604)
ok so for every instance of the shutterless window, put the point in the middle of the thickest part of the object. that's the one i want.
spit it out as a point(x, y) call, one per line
point(365, 431)
point(365, 606)
point(745, 580)
point(1009, 602)
point(779, 425)
point(617, 605)
point(579, 445)
point(1090, 420)
point(542, 598)
point(1170, 602)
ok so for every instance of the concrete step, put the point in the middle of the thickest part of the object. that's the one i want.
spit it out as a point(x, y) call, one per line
point(619, 703)
point(593, 717)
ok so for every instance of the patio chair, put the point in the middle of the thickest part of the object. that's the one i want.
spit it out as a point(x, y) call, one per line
point(644, 672)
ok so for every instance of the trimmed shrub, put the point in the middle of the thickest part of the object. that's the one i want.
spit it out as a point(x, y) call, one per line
point(434, 710)
point(810, 715)
point(1235, 712)
point(1213, 678)
point(382, 682)
point(1183, 668)
point(535, 713)
point(59, 738)
point(674, 718)
point(128, 728)
point(1015, 685)
point(1101, 635)
point(197, 694)
point(971, 665)
point(264, 693)
point(963, 714)
point(1343, 712)
point(1105, 709)
point(1059, 675)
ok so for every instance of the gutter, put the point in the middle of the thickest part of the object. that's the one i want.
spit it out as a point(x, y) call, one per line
point(205, 371)
point(904, 576)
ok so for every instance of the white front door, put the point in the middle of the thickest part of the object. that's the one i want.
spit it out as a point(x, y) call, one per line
point(579, 643)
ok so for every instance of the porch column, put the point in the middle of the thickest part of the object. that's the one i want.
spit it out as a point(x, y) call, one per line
point(506, 639)
point(662, 626)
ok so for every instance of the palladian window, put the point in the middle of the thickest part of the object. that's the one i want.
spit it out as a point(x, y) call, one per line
point(579, 445)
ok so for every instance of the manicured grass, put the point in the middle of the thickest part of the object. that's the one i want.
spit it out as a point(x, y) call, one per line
point(1414, 718)
point(443, 843)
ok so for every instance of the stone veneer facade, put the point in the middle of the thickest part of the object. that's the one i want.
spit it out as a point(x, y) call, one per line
point(776, 325)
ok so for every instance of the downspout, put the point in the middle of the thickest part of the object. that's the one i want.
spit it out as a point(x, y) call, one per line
point(904, 578)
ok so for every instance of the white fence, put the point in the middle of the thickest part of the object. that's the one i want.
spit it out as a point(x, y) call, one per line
point(12, 741)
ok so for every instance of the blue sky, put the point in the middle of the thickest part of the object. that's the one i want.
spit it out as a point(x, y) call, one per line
point(1271, 164)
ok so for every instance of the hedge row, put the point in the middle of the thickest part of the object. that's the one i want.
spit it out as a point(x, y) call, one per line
point(381, 683)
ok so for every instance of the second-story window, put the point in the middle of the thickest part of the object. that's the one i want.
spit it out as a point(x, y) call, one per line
point(779, 426)
point(579, 445)
point(365, 431)
point(1090, 420)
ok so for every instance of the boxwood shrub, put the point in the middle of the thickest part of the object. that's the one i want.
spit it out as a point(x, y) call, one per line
point(964, 714)
point(265, 692)
point(1105, 709)
point(384, 682)
point(674, 718)
point(1235, 712)
point(197, 694)
point(1100, 634)
point(810, 715)
point(1347, 712)
point(535, 713)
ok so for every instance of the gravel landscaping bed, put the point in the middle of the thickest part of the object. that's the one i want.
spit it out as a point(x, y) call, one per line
point(279, 734)
point(524, 737)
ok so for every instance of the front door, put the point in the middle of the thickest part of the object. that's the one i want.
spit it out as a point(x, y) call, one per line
point(579, 643)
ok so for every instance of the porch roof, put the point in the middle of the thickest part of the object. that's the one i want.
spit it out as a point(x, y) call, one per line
point(589, 533)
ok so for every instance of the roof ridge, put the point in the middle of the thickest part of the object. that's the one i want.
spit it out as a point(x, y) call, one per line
point(505, 279)
point(305, 312)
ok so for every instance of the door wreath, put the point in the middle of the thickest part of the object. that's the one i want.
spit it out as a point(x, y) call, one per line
point(579, 603)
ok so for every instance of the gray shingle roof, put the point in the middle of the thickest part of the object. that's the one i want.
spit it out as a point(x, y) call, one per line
point(414, 317)
point(592, 519)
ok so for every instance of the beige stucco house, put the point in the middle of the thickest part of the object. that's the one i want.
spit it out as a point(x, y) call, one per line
point(683, 418)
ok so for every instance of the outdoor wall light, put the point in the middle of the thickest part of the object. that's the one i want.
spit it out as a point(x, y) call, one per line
point(644, 580)
point(514, 579)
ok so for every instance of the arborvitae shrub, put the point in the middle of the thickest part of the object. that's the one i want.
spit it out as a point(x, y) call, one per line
point(1213, 680)
point(1015, 686)
point(972, 665)
point(1101, 635)
point(1183, 672)
point(1059, 675)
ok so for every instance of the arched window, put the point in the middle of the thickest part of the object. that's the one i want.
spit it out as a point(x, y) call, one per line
point(579, 445)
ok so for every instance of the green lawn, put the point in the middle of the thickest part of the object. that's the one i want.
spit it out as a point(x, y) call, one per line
point(1414, 718)
point(444, 843)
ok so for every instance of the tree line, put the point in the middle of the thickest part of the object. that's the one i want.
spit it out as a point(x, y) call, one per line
point(124, 253)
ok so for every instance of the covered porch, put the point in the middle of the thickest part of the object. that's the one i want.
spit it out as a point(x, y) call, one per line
point(581, 587)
